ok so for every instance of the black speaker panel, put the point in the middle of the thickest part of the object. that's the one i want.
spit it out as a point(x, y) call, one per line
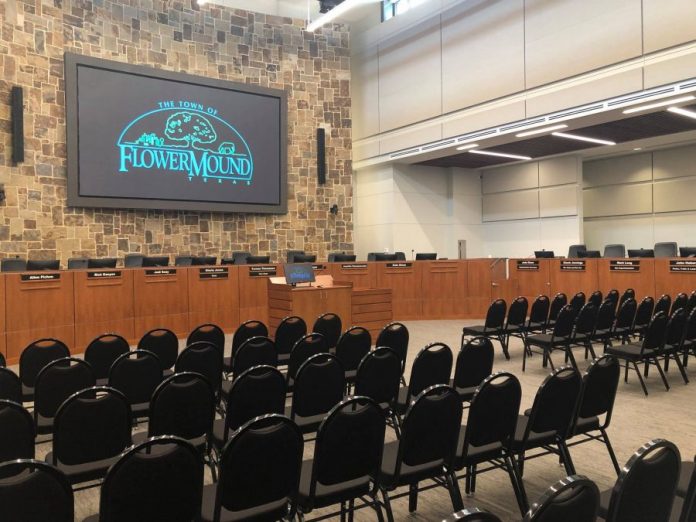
point(17, 114)
point(321, 156)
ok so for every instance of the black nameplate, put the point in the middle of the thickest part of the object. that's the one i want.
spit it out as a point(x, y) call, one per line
point(318, 267)
point(399, 265)
point(262, 271)
point(219, 272)
point(573, 266)
point(161, 272)
point(527, 264)
point(624, 265)
point(682, 265)
point(104, 274)
point(41, 277)
point(353, 266)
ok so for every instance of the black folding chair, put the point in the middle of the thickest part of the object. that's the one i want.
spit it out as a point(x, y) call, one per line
point(290, 330)
point(254, 351)
point(10, 386)
point(210, 333)
point(680, 301)
point(330, 326)
point(691, 303)
point(613, 297)
point(347, 454)
point(689, 342)
point(629, 293)
point(578, 300)
point(686, 493)
point(432, 365)
point(516, 320)
point(560, 300)
point(35, 492)
point(352, 346)
point(3, 362)
point(159, 479)
point(259, 473)
point(378, 377)
point(663, 304)
point(622, 329)
point(572, 499)
point(136, 374)
point(645, 490)
point(395, 336)
point(474, 364)
point(674, 341)
point(244, 331)
point(583, 332)
point(165, 345)
point(307, 346)
point(596, 298)
point(538, 316)
point(644, 314)
point(17, 432)
point(606, 317)
point(493, 327)
point(204, 358)
point(102, 352)
point(557, 340)
point(32, 360)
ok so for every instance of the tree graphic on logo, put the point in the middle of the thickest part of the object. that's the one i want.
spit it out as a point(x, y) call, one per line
point(192, 128)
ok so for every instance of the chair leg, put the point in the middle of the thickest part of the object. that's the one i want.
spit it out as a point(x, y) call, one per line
point(351, 508)
point(565, 456)
point(626, 372)
point(343, 512)
point(504, 346)
point(412, 497)
point(375, 505)
point(550, 361)
point(569, 355)
point(640, 378)
point(610, 449)
point(455, 494)
point(387, 505)
point(520, 464)
point(397, 424)
point(467, 481)
point(517, 484)
point(681, 368)
point(662, 374)
point(591, 349)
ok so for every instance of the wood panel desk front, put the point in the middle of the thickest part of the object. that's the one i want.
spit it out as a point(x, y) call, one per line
point(38, 304)
point(674, 276)
point(530, 278)
point(213, 293)
point(404, 280)
point(253, 291)
point(361, 274)
point(444, 289)
point(571, 276)
point(161, 300)
point(103, 303)
point(622, 273)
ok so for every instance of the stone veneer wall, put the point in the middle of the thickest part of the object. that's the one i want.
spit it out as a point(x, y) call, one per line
point(175, 35)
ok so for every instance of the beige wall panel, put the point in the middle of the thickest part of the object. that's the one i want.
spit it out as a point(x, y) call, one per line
point(410, 138)
point(568, 37)
point(521, 204)
point(674, 163)
point(363, 151)
point(678, 67)
point(624, 169)
point(617, 200)
point(421, 179)
point(410, 77)
point(558, 201)
point(482, 52)
point(668, 23)
point(634, 232)
point(364, 72)
point(490, 117)
point(559, 171)
point(675, 195)
point(514, 177)
point(374, 180)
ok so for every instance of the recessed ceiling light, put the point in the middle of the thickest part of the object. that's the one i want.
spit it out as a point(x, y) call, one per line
point(468, 146)
point(682, 112)
point(541, 131)
point(500, 154)
point(659, 104)
point(583, 138)
point(637, 148)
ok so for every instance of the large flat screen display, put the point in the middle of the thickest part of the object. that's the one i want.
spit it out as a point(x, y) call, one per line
point(143, 138)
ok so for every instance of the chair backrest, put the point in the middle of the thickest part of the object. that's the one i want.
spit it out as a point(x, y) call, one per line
point(668, 249)
point(395, 336)
point(617, 250)
point(493, 412)
point(586, 320)
point(257, 260)
point(258, 391)
point(17, 432)
point(572, 499)
point(261, 465)
point(691, 303)
point(183, 260)
point(10, 386)
point(599, 384)
point(517, 314)
point(430, 428)
point(606, 314)
point(472, 515)
point(291, 255)
point(13, 265)
point(688, 513)
point(349, 444)
point(57, 381)
point(163, 343)
point(330, 326)
point(136, 374)
point(289, 331)
point(681, 300)
point(208, 332)
point(93, 424)
point(254, 352)
point(689, 329)
point(247, 330)
point(564, 322)
point(663, 304)
point(43, 264)
point(558, 302)
point(304, 258)
point(159, 479)
point(352, 346)
point(78, 263)
point(655, 333)
point(539, 312)
point(37, 355)
point(574, 250)
point(626, 315)
point(578, 300)
point(379, 375)
point(319, 386)
point(36, 484)
point(555, 403)
point(305, 347)
point(182, 405)
point(644, 312)
point(103, 351)
point(629, 293)
point(495, 316)
point(203, 260)
point(432, 365)
point(596, 298)
point(204, 358)
point(342, 258)
point(3, 362)
point(102, 262)
point(613, 296)
point(474, 362)
point(645, 488)
point(675, 328)
point(239, 258)
point(133, 260)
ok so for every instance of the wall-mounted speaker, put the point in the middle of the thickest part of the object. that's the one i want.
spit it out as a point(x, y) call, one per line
point(17, 114)
point(321, 156)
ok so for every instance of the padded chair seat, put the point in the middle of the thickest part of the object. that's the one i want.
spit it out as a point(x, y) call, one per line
point(671, 348)
point(77, 473)
point(167, 373)
point(44, 425)
point(478, 329)
point(604, 499)
point(198, 442)
point(103, 382)
point(628, 351)
point(466, 394)
point(514, 329)
point(226, 387)
point(219, 433)
point(534, 440)
point(92, 518)
point(227, 363)
point(585, 424)
point(306, 424)
point(27, 393)
point(272, 511)
point(409, 474)
point(351, 375)
point(475, 454)
point(402, 400)
point(283, 358)
point(687, 469)
point(540, 340)
point(326, 495)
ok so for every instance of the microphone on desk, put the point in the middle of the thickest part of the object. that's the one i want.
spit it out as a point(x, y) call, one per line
point(413, 254)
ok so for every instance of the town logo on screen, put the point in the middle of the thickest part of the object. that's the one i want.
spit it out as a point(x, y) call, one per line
point(185, 138)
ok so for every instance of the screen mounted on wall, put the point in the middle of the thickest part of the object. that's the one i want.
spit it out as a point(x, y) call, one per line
point(143, 138)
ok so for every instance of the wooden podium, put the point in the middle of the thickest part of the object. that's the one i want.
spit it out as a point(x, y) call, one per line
point(308, 302)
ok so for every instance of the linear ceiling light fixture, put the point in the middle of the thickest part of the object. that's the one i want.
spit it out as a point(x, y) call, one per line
point(468, 146)
point(683, 112)
point(659, 104)
point(541, 131)
point(583, 138)
point(330, 16)
point(500, 154)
